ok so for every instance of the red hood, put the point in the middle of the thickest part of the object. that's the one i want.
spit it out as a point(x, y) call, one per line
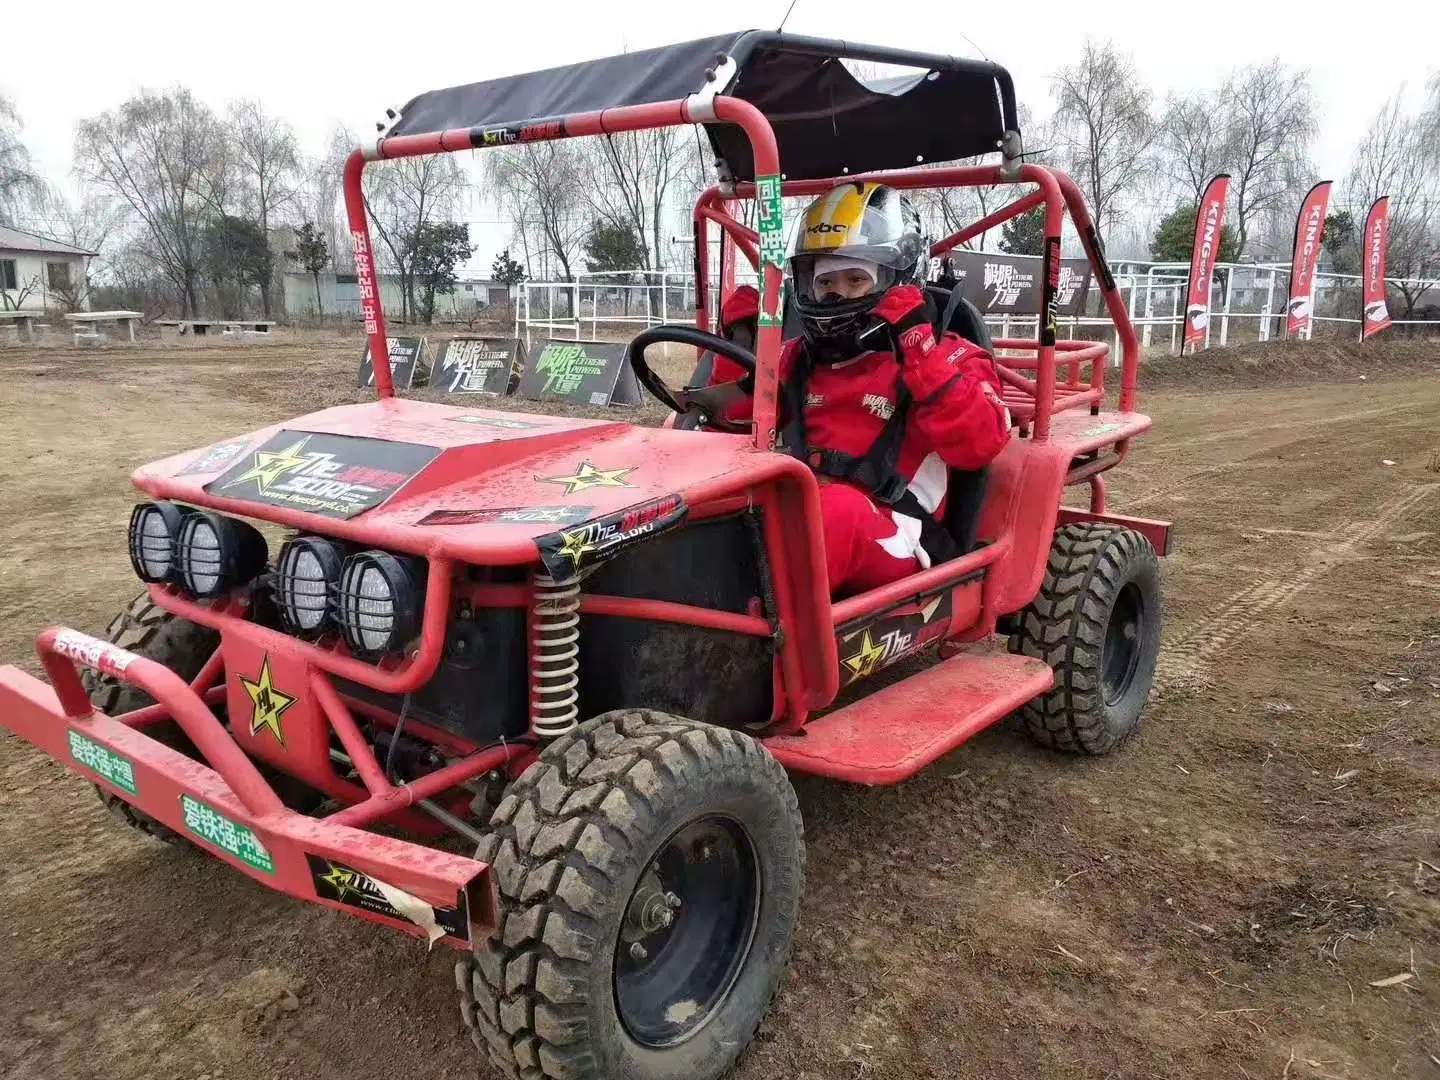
point(477, 490)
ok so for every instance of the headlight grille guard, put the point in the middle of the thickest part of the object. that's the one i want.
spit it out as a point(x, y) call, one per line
point(386, 798)
point(411, 674)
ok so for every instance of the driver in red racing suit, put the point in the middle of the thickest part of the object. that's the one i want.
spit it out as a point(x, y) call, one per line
point(868, 351)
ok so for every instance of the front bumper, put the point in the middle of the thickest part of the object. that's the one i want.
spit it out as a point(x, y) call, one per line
point(230, 810)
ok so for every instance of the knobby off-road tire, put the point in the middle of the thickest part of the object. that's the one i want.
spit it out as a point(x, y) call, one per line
point(554, 993)
point(1096, 622)
point(152, 632)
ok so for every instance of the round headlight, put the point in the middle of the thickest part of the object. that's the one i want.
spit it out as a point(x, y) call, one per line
point(380, 602)
point(154, 528)
point(217, 553)
point(307, 577)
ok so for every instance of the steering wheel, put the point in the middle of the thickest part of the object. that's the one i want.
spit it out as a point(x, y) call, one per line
point(709, 401)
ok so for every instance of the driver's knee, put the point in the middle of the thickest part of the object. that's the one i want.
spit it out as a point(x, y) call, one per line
point(863, 547)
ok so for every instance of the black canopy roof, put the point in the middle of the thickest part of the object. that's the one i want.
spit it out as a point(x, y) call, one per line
point(826, 121)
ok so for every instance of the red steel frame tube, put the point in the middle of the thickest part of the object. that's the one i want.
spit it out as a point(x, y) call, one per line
point(427, 787)
point(1114, 302)
point(898, 592)
point(664, 611)
point(358, 750)
point(745, 238)
point(162, 684)
point(626, 118)
point(368, 282)
point(158, 713)
point(985, 224)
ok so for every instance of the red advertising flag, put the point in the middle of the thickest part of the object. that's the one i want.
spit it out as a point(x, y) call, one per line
point(1309, 231)
point(1209, 223)
point(1372, 277)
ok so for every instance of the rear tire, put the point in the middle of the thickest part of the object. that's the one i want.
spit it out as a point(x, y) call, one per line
point(148, 630)
point(1096, 622)
point(649, 871)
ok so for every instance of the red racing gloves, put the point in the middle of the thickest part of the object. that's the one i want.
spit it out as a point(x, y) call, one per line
point(903, 308)
point(925, 369)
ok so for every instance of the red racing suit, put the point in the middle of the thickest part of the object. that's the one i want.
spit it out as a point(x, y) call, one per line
point(956, 420)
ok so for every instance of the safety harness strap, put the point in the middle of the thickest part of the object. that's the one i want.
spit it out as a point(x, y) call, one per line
point(875, 472)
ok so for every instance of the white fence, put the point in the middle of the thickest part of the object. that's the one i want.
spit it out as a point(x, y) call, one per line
point(577, 309)
point(1248, 303)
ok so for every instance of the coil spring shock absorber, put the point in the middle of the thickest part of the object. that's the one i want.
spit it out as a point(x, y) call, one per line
point(555, 658)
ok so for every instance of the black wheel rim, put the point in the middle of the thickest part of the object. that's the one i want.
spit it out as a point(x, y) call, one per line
point(1124, 635)
point(687, 931)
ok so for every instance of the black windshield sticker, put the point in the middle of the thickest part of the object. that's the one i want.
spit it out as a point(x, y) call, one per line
point(338, 476)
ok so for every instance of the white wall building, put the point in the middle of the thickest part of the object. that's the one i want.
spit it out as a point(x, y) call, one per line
point(340, 294)
point(39, 274)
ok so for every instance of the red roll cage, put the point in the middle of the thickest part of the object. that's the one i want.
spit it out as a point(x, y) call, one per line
point(1032, 398)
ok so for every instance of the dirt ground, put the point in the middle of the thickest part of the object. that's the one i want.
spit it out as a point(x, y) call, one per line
point(1220, 899)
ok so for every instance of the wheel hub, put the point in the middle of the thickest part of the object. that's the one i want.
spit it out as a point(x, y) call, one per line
point(687, 931)
point(1120, 657)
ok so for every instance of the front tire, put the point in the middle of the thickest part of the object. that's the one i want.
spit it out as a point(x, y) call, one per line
point(649, 870)
point(1096, 622)
point(148, 630)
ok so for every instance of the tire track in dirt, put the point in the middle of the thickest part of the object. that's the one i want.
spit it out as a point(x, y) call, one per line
point(1251, 437)
point(1187, 442)
point(1188, 656)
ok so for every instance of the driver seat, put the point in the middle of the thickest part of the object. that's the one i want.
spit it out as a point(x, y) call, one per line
point(966, 489)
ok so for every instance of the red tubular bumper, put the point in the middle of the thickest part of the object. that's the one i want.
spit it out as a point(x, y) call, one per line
point(233, 813)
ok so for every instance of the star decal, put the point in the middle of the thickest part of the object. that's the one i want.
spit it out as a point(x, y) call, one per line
point(573, 546)
point(864, 662)
point(270, 465)
point(588, 476)
point(269, 703)
point(343, 881)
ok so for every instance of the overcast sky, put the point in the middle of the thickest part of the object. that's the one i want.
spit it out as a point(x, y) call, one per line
point(320, 64)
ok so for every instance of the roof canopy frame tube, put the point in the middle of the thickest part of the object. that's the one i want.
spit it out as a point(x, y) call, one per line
point(676, 113)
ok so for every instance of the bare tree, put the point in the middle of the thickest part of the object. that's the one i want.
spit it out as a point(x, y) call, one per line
point(403, 197)
point(634, 172)
point(318, 196)
point(1269, 116)
point(1400, 157)
point(269, 163)
point(1104, 129)
point(91, 223)
point(948, 210)
point(20, 184)
point(542, 186)
point(1193, 141)
point(158, 153)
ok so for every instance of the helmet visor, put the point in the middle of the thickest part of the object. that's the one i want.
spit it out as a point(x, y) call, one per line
point(807, 267)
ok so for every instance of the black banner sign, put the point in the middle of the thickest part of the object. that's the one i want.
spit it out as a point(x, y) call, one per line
point(472, 365)
point(865, 647)
point(338, 476)
point(581, 372)
point(510, 515)
point(338, 882)
point(407, 363)
point(568, 552)
point(1013, 284)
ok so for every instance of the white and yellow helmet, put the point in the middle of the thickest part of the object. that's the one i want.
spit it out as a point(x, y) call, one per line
point(858, 223)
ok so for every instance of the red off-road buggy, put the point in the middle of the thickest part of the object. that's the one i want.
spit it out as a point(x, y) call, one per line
point(594, 649)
